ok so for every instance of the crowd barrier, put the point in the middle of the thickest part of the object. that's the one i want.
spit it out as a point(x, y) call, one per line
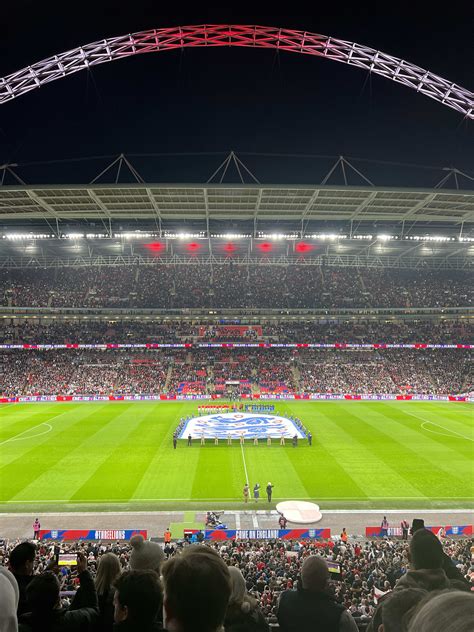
point(238, 345)
point(449, 530)
point(254, 396)
point(90, 534)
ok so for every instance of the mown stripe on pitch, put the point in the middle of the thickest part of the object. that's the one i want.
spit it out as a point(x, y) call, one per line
point(42, 413)
point(30, 465)
point(170, 470)
point(409, 463)
point(71, 471)
point(371, 470)
point(122, 469)
point(414, 418)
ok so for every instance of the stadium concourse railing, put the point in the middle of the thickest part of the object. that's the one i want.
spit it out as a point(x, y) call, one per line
point(243, 314)
point(236, 345)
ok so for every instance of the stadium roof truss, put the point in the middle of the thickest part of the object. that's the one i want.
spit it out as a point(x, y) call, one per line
point(249, 36)
point(241, 202)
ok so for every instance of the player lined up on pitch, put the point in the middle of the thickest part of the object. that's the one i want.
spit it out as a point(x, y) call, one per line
point(256, 492)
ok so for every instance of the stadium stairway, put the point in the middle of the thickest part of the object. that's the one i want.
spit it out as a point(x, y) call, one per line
point(169, 373)
point(296, 378)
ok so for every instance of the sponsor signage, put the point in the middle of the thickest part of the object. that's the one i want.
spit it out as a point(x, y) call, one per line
point(449, 530)
point(254, 396)
point(267, 534)
point(91, 534)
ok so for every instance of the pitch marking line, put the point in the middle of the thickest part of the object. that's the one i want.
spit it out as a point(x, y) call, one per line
point(452, 432)
point(128, 501)
point(67, 412)
point(237, 514)
point(445, 434)
point(40, 434)
point(18, 437)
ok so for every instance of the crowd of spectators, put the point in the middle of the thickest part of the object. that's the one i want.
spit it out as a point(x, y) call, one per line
point(209, 371)
point(143, 330)
point(265, 582)
point(399, 371)
point(233, 286)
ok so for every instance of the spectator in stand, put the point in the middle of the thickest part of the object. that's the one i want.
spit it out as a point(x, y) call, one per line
point(243, 612)
point(146, 555)
point(426, 565)
point(197, 589)
point(137, 602)
point(310, 606)
point(21, 561)
point(9, 594)
point(450, 611)
point(396, 610)
point(108, 571)
point(45, 613)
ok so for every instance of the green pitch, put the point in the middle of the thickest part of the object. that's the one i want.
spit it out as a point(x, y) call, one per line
point(120, 455)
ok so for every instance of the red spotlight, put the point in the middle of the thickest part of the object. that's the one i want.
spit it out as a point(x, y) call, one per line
point(265, 246)
point(229, 248)
point(155, 247)
point(303, 247)
point(193, 246)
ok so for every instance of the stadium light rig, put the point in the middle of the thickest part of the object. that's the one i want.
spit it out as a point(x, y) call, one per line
point(303, 247)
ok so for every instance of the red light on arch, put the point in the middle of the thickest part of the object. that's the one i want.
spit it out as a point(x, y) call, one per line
point(303, 247)
point(229, 248)
point(193, 247)
point(265, 246)
point(155, 247)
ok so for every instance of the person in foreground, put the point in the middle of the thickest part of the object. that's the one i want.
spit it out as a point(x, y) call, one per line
point(46, 614)
point(311, 608)
point(108, 571)
point(197, 589)
point(9, 594)
point(137, 601)
point(22, 561)
point(426, 565)
point(447, 611)
point(243, 612)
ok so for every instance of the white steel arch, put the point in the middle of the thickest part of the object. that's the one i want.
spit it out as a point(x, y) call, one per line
point(212, 35)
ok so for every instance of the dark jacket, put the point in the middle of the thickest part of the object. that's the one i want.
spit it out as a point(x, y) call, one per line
point(129, 626)
point(22, 581)
point(236, 620)
point(304, 611)
point(426, 579)
point(80, 617)
point(106, 612)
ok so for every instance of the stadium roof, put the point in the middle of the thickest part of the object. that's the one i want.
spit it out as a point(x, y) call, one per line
point(236, 202)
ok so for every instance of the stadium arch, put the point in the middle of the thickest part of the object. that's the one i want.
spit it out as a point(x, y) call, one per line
point(213, 35)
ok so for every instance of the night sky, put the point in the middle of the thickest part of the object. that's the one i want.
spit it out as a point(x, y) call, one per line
point(241, 99)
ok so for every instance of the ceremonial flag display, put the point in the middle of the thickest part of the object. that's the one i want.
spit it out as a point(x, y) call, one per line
point(236, 425)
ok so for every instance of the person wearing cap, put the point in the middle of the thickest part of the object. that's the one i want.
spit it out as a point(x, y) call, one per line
point(145, 555)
